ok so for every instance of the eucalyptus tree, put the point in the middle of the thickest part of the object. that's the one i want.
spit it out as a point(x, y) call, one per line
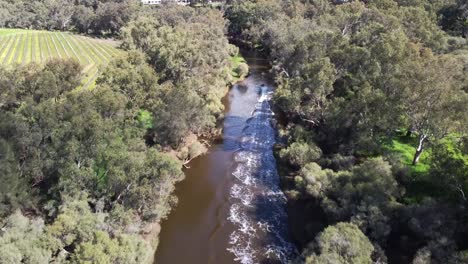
point(435, 105)
point(189, 52)
point(342, 243)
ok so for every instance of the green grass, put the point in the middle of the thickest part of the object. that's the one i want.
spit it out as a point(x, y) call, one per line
point(9, 31)
point(19, 46)
point(15, 48)
point(406, 152)
point(418, 185)
point(405, 147)
point(36, 50)
point(235, 62)
point(5, 44)
point(20, 54)
point(51, 47)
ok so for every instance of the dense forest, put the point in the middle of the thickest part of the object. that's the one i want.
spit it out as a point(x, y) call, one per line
point(88, 174)
point(85, 16)
point(374, 102)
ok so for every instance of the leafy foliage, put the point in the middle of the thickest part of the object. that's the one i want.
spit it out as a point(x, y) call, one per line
point(169, 38)
point(299, 154)
point(342, 243)
point(449, 169)
point(22, 240)
point(88, 166)
point(99, 17)
point(72, 149)
point(350, 74)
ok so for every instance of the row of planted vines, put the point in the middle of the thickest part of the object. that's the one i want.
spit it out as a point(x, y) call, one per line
point(26, 46)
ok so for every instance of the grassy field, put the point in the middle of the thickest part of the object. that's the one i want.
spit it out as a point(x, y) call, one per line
point(19, 46)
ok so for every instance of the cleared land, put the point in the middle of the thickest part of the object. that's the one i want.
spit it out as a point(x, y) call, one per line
point(19, 46)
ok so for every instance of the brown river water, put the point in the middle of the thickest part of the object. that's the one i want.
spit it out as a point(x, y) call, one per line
point(230, 207)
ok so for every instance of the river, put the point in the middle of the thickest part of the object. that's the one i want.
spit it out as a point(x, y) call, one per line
point(231, 209)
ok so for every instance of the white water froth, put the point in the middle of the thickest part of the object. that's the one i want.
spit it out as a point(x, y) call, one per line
point(257, 203)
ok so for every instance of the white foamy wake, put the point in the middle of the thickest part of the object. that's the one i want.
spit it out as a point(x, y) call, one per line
point(257, 203)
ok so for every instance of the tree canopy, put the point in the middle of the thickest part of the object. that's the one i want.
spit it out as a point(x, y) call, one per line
point(374, 101)
point(84, 16)
point(87, 174)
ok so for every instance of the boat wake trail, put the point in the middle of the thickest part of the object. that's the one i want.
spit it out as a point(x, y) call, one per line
point(257, 203)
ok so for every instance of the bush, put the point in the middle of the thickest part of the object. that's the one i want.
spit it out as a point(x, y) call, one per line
point(242, 70)
point(313, 179)
point(340, 244)
point(196, 149)
point(338, 162)
point(298, 154)
point(104, 249)
point(233, 51)
point(23, 241)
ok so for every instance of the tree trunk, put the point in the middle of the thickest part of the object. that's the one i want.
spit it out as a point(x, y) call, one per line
point(419, 149)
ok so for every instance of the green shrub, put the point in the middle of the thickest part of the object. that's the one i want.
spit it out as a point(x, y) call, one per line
point(299, 154)
point(242, 70)
point(342, 243)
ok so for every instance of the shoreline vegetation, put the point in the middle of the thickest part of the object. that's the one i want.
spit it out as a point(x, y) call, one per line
point(372, 102)
point(90, 173)
point(374, 159)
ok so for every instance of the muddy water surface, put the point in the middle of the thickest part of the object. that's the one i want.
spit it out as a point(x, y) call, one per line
point(230, 207)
